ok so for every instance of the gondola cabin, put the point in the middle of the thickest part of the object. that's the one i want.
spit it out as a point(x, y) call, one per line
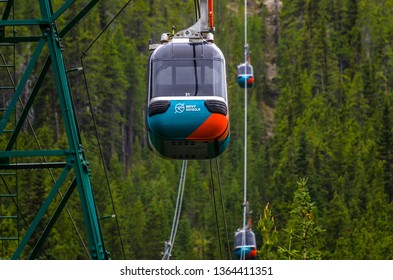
point(245, 75)
point(245, 246)
point(187, 107)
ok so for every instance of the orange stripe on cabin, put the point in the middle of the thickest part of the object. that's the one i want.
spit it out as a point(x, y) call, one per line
point(252, 254)
point(215, 126)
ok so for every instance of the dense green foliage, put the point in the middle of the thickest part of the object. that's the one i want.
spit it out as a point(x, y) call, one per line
point(321, 109)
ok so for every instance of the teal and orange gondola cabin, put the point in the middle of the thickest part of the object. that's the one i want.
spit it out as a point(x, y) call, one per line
point(187, 107)
point(245, 75)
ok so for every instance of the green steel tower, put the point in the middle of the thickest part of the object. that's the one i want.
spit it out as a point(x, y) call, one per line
point(73, 167)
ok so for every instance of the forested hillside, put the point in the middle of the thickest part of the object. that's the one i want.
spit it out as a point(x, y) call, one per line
point(320, 138)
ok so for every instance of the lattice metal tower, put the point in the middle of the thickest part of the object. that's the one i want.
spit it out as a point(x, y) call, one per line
point(74, 167)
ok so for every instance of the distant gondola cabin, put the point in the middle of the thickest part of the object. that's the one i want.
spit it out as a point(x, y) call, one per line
point(245, 75)
point(245, 246)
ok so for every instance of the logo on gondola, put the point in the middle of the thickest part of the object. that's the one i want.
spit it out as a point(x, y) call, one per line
point(179, 108)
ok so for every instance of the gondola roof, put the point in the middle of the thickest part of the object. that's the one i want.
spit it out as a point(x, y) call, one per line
point(187, 49)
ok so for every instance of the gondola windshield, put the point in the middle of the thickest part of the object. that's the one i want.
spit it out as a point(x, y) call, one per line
point(250, 239)
point(188, 78)
point(245, 69)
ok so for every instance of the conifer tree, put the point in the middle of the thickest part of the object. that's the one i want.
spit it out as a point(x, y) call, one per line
point(302, 232)
point(269, 233)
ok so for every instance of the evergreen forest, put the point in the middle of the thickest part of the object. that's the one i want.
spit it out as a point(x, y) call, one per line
point(319, 141)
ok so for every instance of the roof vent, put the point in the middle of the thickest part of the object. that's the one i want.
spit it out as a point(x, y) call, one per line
point(164, 38)
point(210, 37)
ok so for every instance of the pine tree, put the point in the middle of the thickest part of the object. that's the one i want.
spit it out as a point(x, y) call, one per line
point(302, 232)
point(267, 228)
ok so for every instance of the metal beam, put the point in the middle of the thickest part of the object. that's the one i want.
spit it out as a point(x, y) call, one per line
point(23, 22)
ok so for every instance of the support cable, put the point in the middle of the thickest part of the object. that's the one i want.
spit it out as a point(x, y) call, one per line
point(84, 54)
point(176, 215)
point(245, 134)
